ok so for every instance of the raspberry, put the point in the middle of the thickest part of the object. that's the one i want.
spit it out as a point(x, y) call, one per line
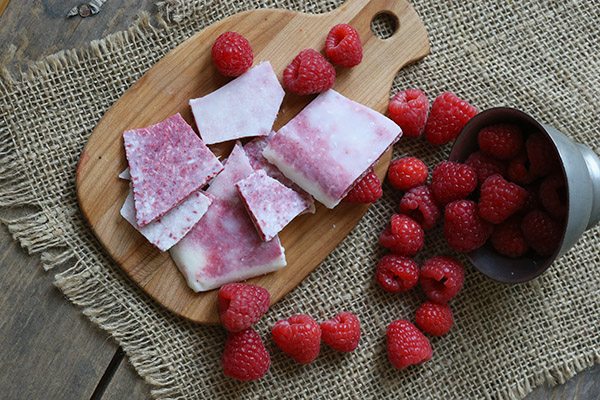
point(245, 357)
point(299, 337)
point(403, 237)
point(407, 172)
point(499, 199)
point(342, 332)
point(501, 141)
point(542, 155)
point(452, 181)
point(485, 166)
point(397, 274)
point(541, 232)
point(449, 114)
point(533, 201)
point(435, 319)
point(441, 278)
point(553, 195)
point(241, 305)
point(406, 345)
point(464, 229)
point(308, 73)
point(409, 108)
point(519, 170)
point(508, 239)
point(232, 54)
point(366, 190)
point(418, 204)
point(343, 46)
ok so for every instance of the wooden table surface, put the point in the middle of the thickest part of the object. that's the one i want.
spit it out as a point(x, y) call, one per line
point(48, 349)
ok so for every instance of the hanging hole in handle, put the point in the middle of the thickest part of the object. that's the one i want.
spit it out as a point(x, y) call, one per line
point(384, 24)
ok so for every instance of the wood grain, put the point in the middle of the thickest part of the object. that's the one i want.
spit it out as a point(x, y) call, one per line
point(187, 72)
point(48, 349)
point(3, 5)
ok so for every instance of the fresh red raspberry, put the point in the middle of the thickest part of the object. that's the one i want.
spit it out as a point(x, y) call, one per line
point(397, 274)
point(406, 345)
point(441, 278)
point(542, 155)
point(485, 166)
point(533, 200)
point(343, 46)
point(407, 172)
point(519, 170)
point(553, 195)
point(342, 332)
point(434, 319)
point(245, 357)
point(366, 190)
point(299, 337)
point(403, 236)
point(464, 229)
point(508, 239)
point(449, 114)
point(418, 203)
point(309, 73)
point(409, 108)
point(499, 199)
point(232, 54)
point(241, 305)
point(542, 232)
point(501, 141)
point(452, 181)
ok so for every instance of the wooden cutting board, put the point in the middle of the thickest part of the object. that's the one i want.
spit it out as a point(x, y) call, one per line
point(187, 72)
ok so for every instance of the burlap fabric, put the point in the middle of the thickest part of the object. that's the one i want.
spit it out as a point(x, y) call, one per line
point(538, 56)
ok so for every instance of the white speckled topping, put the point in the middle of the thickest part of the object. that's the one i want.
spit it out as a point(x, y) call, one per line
point(271, 204)
point(246, 106)
point(174, 225)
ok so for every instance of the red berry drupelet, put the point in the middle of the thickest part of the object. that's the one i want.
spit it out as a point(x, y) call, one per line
point(409, 108)
point(553, 195)
point(541, 232)
point(448, 115)
point(452, 181)
point(241, 305)
point(508, 240)
point(434, 319)
point(343, 46)
point(342, 332)
point(407, 172)
point(499, 199)
point(418, 203)
point(441, 278)
point(519, 170)
point(406, 345)
point(464, 229)
point(397, 274)
point(542, 155)
point(299, 337)
point(232, 54)
point(245, 357)
point(403, 236)
point(309, 73)
point(366, 190)
point(485, 166)
point(501, 141)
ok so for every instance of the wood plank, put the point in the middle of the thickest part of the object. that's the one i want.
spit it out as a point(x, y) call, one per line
point(166, 90)
point(583, 386)
point(3, 5)
point(48, 348)
point(126, 384)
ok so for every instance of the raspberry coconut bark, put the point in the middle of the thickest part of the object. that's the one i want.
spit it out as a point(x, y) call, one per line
point(167, 162)
point(331, 144)
point(254, 150)
point(174, 225)
point(246, 106)
point(270, 204)
point(224, 246)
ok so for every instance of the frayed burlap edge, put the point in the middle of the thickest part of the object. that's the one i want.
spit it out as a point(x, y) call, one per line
point(76, 282)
